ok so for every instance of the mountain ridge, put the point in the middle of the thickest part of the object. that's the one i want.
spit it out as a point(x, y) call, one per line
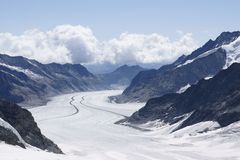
point(216, 99)
point(206, 61)
point(26, 80)
point(120, 77)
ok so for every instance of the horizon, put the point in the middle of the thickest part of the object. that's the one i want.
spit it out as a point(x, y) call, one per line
point(99, 35)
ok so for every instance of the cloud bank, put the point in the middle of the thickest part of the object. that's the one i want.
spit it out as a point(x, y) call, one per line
point(77, 44)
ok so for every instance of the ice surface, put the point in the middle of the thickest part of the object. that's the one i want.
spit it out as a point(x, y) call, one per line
point(91, 134)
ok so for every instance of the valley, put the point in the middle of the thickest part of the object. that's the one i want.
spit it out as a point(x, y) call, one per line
point(119, 80)
point(82, 124)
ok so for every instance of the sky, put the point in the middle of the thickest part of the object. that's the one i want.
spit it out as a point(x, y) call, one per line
point(112, 32)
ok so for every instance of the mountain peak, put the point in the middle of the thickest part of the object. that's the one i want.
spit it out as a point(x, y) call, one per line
point(124, 66)
point(229, 34)
point(122, 76)
point(205, 61)
point(222, 39)
point(127, 67)
point(226, 37)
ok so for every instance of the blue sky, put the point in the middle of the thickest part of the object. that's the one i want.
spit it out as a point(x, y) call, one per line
point(106, 33)
point(109, 18)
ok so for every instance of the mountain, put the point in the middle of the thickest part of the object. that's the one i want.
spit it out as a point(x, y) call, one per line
point(216, 99)
point(121, 77)
point(30, 82)
point(17, 127)
point(204, 62)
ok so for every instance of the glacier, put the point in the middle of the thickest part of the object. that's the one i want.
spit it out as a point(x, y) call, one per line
point(92, 134)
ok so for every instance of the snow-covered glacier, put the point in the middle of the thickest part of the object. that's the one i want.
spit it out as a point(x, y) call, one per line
point(83, 125)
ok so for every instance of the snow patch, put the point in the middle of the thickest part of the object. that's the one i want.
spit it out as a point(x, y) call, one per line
point(233, 53)
point(28, 72)
point(162, 127)
point(208, 77)
point(183, 89)
point(150, 125)
point(205, 54)
point(10, 74)
point(197, 128)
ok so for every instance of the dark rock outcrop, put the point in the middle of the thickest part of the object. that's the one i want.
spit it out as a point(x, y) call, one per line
point(9, 137)
point(22, 121)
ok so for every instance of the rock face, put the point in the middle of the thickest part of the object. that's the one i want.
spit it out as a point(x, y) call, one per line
point(9, 137)
point(19, 128)
point(206, 61)
point(30, 82)
point(216, 99)
point(121, 77)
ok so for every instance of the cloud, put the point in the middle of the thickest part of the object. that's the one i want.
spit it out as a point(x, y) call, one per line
point(77, 44)
point(151, 48)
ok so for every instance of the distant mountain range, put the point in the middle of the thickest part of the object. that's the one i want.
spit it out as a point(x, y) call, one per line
point(205, 62)
point(121, 77)
point(216, 99)
point(31, 83)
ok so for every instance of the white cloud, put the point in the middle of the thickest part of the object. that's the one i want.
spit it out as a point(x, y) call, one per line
point(151, 48)
point(77, 44)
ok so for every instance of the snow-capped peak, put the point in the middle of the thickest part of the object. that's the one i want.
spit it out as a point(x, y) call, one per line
point(232, 53)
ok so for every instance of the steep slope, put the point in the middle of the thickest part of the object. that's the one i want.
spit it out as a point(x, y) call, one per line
point(17, 127)
point(206, 61)
point(25, 80)
point(121, 77)
point(216, 99)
